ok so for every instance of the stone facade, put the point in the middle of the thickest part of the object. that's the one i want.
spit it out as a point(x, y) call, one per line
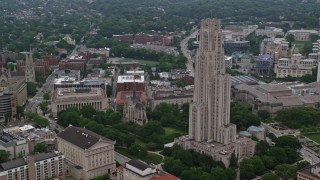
point(275, 47)
point(210, 130)
point(295, 66)
point(13, 143)
point(210, 110)
point(270, 32)
point(302, 35)
point(87, 154)
point(64, 98)
point(13, 93)
point(135, 111)
point(29, 68)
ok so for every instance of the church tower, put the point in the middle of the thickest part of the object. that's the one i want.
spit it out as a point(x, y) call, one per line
point(209, 118)
point(29, 68)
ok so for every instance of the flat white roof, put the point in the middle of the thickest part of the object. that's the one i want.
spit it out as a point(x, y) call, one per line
point(130, 78)
point(26, 127)
point(134, 72)
point(66, 80)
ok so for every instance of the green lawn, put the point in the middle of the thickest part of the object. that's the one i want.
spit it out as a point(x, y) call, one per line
point(314, 137)
point(169, 131)
point(150, 63)
point(299, 45)
point(150, 158)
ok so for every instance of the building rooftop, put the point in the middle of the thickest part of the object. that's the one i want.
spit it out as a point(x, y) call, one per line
point(243, 79)
point(269, 88)
point(22, 161)
point(12, 164)
point(7, 137)
point(26, 128)
point(77, 94)
point(135, 72)
point(313, 171)
point(256, 129)
point(131, 78)
point(123, 96)
point(81, 137)
point(138, 164)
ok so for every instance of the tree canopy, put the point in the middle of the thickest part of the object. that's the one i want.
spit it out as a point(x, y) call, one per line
point(4, 156)
point(297, 117)
point(40, 148)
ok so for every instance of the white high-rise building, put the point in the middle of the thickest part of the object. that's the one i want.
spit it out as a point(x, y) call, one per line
point(29, 69)
point(210, 130)
point(210, 110)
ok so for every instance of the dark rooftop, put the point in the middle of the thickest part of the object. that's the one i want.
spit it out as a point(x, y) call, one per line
point(308, 170)
point(42, 156)
point(138, 164)
point(21, 162)
point(81, 137)
point(12, 164)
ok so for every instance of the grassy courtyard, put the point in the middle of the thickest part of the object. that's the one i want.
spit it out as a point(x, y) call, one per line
point(314, 137)
point(299, 45)
point(169, 131)
point(150, 158)
point(146, 62)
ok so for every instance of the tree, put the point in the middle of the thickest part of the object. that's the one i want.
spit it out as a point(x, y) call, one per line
point(233, 161)
point(288, 141)
point(218, 173)
point(307, 48)
point(297, 117)
point(10, 66)
point(302, 164)
point(109, 90)
point(31, 89)
point(71, 116)
point(286, 171)
point(270, 176)
point(231, 173)
point(137, 150)
point(20, 111)
point(4, 156)
point(264, 114)
point(246, 169)
point(44, 108)
point(258, 165)
point(268, 162)
point(278, 154)
point(40, 148)
point(129, 140)
point(314, 37)
point(46, 97)
point(261, 148)
point(173, 166)
point(290, 38)
point(152, 127)
point(38, 120)
point(88, 111)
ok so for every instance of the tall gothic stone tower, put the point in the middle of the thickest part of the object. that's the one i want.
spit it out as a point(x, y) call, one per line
point(29, 68)
point(210, 110)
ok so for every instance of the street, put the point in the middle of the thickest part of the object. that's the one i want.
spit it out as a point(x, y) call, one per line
point(186, 52)
point(33, 103)
point(121, 159)
point(309, 155)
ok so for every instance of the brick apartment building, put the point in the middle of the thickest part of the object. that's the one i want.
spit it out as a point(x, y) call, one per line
point(40, 66)
point(125, 37)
